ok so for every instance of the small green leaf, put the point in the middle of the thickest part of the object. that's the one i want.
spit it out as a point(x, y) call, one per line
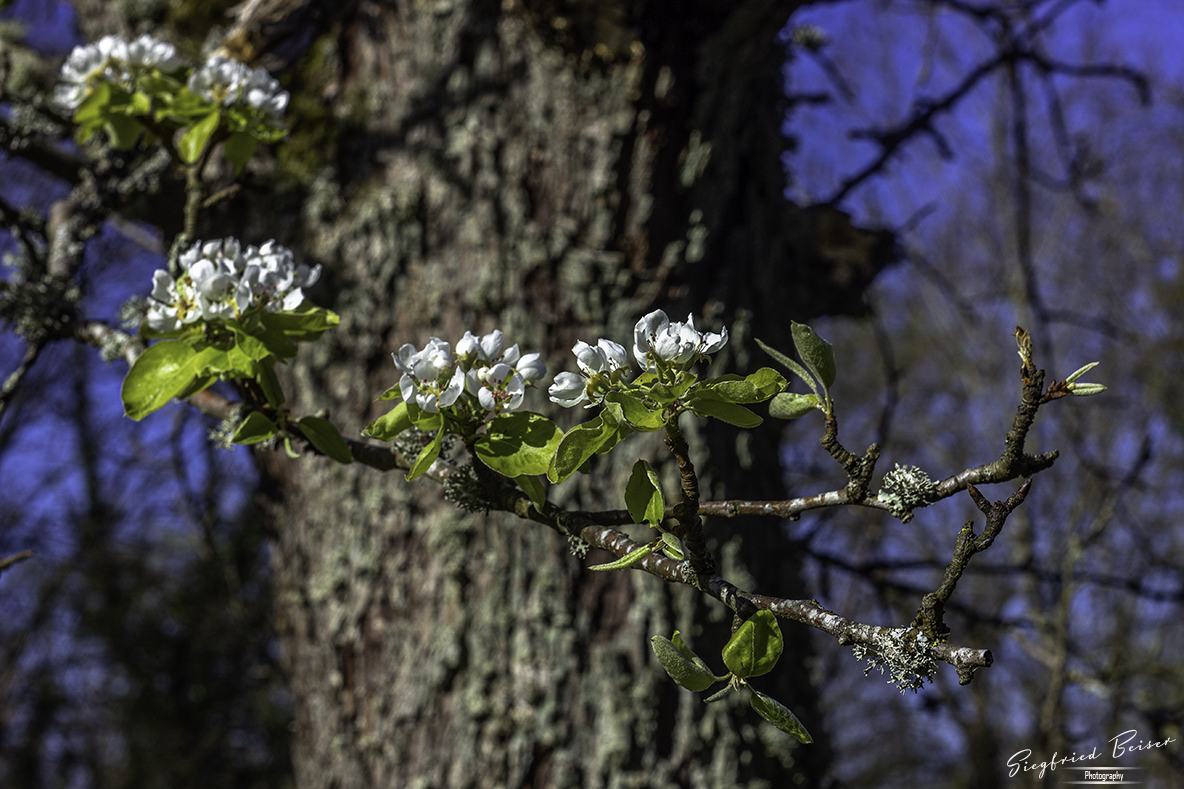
point(643, 495)
point(306, 322)
point(390, 424)
point(123, 131)
point(156, 376)
point(579, 444)
point(816, 352)
point(324, 436)
point(427, 456)
point(779, 715)
point(94, 106)
point(195, 138)
point(141, 103)
point(629, 559)
point(1081, 371)
point(666, 394)
point(791, 365)
point(534, 488)
point(245, 342)
point(756, 388)
point(788, 405)
point(270, 384)
point(1085, 390)
point(394, 393)
point(755, 647)
point(683, 666)
point(633, 412)
point(255, 428)
point(672, 547)
point(731, 413)
point(518, 443)
point(238, 150)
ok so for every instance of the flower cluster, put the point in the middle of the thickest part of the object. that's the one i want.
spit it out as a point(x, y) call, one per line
point(111, 59)
point(496, 377)
point(657, 342)
point(228, 82)
point(602, 366)
point(221, 281)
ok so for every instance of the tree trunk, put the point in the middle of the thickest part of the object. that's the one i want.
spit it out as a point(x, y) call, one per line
point(555, 170)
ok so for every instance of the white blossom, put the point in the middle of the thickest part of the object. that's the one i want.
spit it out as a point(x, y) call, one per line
point(430, 379)
point(220, 281)
point(657, 338)
point(110, 59)
point(229, 82)
point(568, 389)
point(602, 365)
point(497, 388)
point(530, 367)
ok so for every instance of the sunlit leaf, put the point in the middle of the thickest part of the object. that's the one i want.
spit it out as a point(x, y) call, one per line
point(628, 560)
point(518, 443)
point(755, 647)
point(643, 495)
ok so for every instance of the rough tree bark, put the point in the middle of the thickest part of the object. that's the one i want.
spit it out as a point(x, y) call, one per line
point(553, 168)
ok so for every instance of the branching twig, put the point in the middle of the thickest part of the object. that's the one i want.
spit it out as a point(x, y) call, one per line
point(932, 609)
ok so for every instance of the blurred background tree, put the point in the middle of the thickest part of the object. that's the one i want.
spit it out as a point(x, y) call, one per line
point(555, 170)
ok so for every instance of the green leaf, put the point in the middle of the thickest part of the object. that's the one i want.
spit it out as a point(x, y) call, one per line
point(195, 138)
point(672, 547)
point(791, 365)
point(324, 436)
point(643, 495)
point(238, 150)
point(816, 352)
point(1081, 371)
point(141, 103)
point(270, 384)
point(518, 443)
point(390, 424)
point(788, 405)
point(1085, 390)
point(731, 413)
point(755, 647)
point(241, 365)
point(629, 559)
point(666, 394)
point(211, 361)
point(427, 457)
point(683, 666)
point(779, 715)
point(306, 322)
point(94, 106)
point(123, 131)
point(195, 386)
point(579, 444)
point(394, 393)
point(633, 412)
point(156, 376)
point(755, 388)
point(534, 488)
point(248, 344)
point(255, 428)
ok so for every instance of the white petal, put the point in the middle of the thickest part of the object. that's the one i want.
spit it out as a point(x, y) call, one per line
point(491, 345)
point(486, 399)
point(530, 368)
